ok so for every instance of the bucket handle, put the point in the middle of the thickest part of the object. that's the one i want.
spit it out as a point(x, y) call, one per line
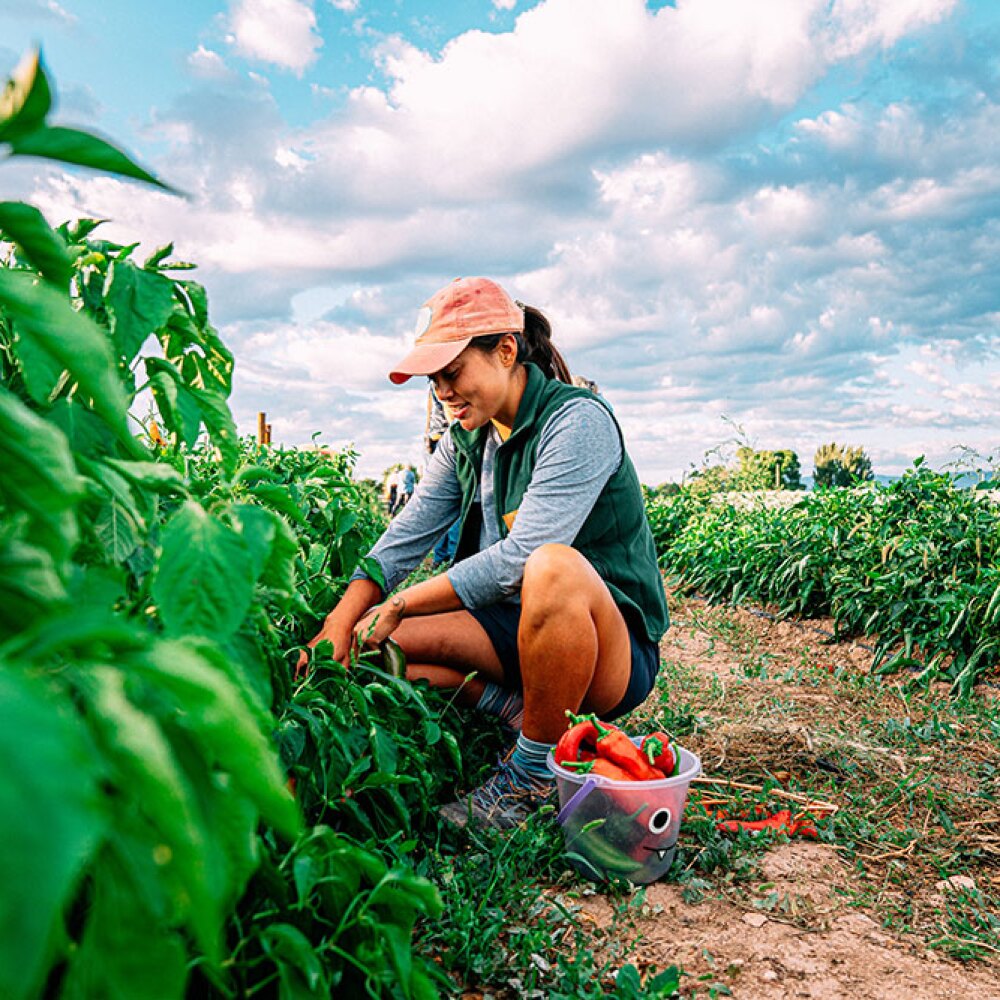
point(576, 800)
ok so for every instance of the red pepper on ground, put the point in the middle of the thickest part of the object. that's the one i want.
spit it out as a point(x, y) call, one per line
point(780, 822)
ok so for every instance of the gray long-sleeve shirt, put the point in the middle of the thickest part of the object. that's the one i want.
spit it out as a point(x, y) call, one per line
point(579, 449)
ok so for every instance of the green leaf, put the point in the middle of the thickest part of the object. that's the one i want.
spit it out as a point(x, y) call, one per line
point(278, 498)
point(81, 229)
point(39, 476)
point(258, 528)
point(51, 821)
point(156, 476)
point(95, 590)
point(72, 340)
point(218, 716)
point(40, 244)
point(26, 98)
point(204, 577)
point(139, 303)
point(299, 967)
point(183, 407)
point(250, 474)
point(220, 424)
point(30, 585)
point(198, 298)
point(148, 777)
point(117, 531)
point(125, 952)
point(89, 436)
point(279, 573)
point(178, 408)
point(157, 257)
point(69, 145)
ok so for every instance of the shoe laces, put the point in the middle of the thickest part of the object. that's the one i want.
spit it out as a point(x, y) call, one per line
point(508, 786)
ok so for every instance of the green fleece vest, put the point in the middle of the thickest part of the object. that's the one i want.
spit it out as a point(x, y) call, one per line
point(615, 538)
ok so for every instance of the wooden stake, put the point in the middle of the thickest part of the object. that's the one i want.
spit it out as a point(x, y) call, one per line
point(261, 428)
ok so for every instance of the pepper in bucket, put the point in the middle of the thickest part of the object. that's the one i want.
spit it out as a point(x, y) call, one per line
point(621, 799)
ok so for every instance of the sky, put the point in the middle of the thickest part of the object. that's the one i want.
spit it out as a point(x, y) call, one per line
point(777, 221)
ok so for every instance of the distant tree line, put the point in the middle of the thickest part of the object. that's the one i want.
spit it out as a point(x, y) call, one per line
point(834, 465)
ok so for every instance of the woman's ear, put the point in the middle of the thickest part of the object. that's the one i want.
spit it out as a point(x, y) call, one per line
point(507, 350)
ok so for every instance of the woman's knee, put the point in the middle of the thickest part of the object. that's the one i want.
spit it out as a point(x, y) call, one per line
point(557, 579)
point(553, 567)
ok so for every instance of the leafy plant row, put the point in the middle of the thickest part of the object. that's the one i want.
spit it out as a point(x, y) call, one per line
point(155, 574)
point(914, 564)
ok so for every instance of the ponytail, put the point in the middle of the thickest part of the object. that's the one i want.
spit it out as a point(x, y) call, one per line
point(538, 346)
point(534, 345)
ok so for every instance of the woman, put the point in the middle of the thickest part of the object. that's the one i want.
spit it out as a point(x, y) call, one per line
point(555, 596)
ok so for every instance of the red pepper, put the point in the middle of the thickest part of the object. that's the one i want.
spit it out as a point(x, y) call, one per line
point(607, 769)
point(599, 766)
point(660, 753)
point(615, 746)
point(779, 822)
point(589, 738)
point(579, 740)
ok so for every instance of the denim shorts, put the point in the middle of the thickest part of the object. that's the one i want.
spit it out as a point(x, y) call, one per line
point(501, 621)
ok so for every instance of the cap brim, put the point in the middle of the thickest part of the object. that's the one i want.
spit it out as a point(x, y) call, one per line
point(425, 359)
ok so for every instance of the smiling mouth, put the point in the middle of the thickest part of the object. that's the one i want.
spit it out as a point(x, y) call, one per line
point(458, 411)
point(662, 852)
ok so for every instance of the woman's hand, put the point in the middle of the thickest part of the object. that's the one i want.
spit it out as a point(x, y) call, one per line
point(339, 634)
point(380, 622)
point(338, 628)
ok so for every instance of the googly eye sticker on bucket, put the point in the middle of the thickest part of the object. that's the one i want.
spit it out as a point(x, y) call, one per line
point(424, 318)
point(659, 821)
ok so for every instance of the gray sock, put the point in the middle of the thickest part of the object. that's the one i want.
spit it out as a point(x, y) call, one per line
point(531, 758)
point(505, 704)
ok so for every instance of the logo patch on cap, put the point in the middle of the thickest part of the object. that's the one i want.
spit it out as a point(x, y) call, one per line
point(424, 318)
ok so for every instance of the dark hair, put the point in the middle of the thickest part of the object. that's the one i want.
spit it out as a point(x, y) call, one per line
point(534, 345)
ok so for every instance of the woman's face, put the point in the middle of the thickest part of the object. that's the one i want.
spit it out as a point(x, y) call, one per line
point(477, 385)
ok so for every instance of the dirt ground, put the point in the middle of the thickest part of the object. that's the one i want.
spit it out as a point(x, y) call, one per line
point(817, 944)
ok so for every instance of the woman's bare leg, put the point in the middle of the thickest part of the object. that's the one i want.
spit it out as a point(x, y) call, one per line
point(573, 642)
point(444, 649)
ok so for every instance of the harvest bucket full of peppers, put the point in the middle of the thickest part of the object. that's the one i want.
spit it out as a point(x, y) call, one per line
point(620, 799)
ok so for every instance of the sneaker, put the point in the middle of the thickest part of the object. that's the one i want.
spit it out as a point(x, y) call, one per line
point(505, 800)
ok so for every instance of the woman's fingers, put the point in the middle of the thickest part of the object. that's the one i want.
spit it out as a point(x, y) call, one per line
point(375, 627)
point(341, 644)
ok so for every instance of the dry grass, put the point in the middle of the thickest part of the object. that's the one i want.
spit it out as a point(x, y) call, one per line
point(907, 781)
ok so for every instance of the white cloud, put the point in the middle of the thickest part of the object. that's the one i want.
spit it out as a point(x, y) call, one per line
point(859, 24)
point(617, 168)
point(281, 32)
point(207, 65)
point(45, 10)
point(347, 6)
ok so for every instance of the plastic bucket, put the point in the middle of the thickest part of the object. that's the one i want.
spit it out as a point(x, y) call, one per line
point(623, 829)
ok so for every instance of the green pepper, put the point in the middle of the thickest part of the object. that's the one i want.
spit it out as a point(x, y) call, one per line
point(393, 658)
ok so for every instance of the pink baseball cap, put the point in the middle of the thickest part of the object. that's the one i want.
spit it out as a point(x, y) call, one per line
point(466, 308)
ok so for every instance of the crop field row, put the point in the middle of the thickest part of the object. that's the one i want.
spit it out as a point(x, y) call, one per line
point(914, 564)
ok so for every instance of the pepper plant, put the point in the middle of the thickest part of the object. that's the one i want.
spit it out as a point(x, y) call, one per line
point(915, 564)
point(138, 658)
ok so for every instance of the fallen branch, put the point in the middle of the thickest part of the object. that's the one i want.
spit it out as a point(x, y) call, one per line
point(813, 805)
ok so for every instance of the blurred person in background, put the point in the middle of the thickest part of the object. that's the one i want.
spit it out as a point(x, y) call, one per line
point(437, 424)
